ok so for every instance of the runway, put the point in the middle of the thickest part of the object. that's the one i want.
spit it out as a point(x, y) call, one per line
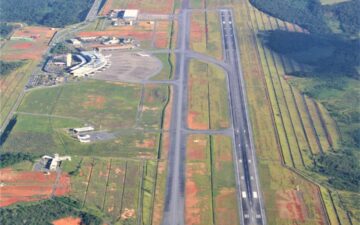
point(249, 194)
point(248, 191)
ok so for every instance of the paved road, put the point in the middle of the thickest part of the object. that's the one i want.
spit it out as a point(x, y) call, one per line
point(174, 199)
point(249, 194)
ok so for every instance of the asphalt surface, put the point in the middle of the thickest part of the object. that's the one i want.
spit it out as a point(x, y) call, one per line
point(174, 198)
point(249, 194)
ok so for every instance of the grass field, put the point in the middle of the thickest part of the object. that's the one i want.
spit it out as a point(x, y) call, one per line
point(12, 86)
point(120, 189)
point(210, 197)
point(208, 100)
point(168, 60)
point(46, 114)
point(154, 98)
point(205, 34)
point(147, 6)
point(280, 125)
point(105, 105)
point(300, 126)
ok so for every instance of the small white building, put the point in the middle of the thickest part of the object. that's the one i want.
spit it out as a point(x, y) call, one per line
point(75, 42)
point(52, 163)
point(131, 14)
point(84, 138)
point(83, 129)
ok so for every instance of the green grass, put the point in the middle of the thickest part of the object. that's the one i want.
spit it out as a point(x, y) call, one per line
point(208, 104)
point(51, 137)
point(166, 72)
point(198, 42)
point(13, 85)
point(155, 98)
point(114, 186)
point(105, 105)
point(224, 187)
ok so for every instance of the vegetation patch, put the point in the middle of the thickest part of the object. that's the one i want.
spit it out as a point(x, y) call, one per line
point(207, 94)
point(45, 212)
point(8, 67)
point(56, 13)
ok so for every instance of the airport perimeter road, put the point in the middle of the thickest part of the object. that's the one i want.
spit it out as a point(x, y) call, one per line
point(174, 198)
point(249, 194)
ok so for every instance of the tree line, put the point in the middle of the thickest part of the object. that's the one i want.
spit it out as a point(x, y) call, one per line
point(52, 13)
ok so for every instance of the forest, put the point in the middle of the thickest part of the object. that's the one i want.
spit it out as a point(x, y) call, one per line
point(7, 67)
point(330, 59)
point(52, 13)
point(8, 159)
point(5, 29)
point(309, 14)
point(44, 212)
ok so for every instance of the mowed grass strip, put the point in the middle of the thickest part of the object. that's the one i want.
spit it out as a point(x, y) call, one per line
point(130, 199)
point(198, 183)
point(12, 86)
point(275, 105)
point(51, 136)
point(224, 187)
point(205, 34)
point(329, 205)
point(317, 124)
point(100, 103)
point(281, 206)
point(207, 96)
point(148, 191)
point(154, 100)
point(97, 186)
point(115, 187)
point(281, 99)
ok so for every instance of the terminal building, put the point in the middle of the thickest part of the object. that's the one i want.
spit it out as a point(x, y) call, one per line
point(90, 62)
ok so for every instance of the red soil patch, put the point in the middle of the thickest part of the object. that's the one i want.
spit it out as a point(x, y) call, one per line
point(224, 156)
point(168, 112)
point(128, 213)
point(29, 186)
point(196, 148)
point(161, 42)
point(291, 205)
point(195, 204)
point(67, 221)
point(192, 210)
point(107, 7)
point(25, 45)
point(139, 35)
point(152, 6)
point(17, 48)
point(96, 101)
point(197, 31)
point(225, 215)
point(159, 197)
point(193, 124)
point(149, 143)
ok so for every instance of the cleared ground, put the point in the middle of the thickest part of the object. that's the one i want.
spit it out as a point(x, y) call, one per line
point(121, 189)
point(207, 97)
point(121, 109)
point(25, 186)
point(129, 67)
point(210, 196)
point(205, 34)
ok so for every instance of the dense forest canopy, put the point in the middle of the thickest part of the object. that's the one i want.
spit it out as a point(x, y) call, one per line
point(45, 212)
point(329, 57)
point(310, 14)
point(5, 29)
point(52, 13)
point(7, 67)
